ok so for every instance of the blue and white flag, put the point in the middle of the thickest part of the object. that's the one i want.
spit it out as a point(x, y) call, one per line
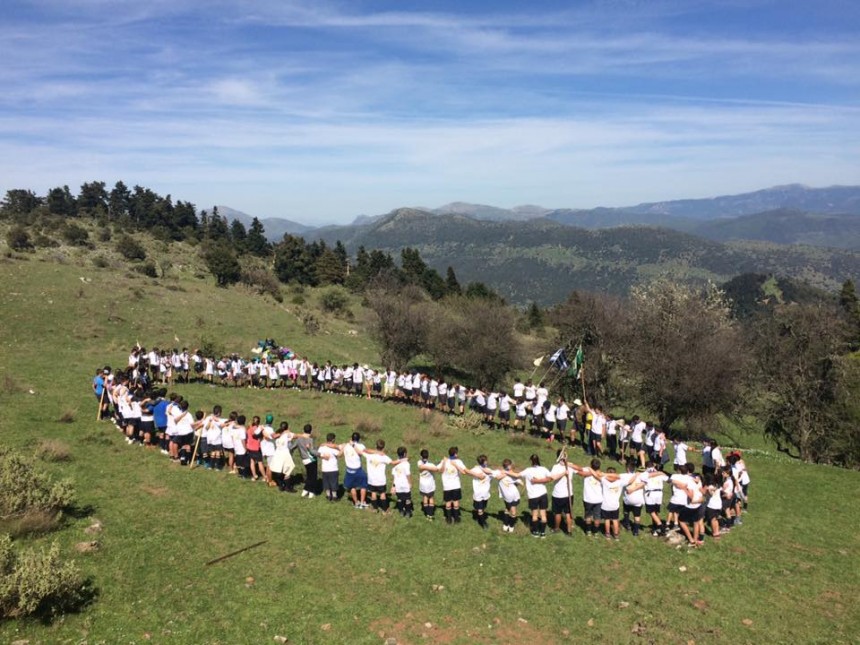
point(559, 360)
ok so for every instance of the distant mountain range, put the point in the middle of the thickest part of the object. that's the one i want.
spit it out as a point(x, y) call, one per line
point(542, 260)
point(275, 227)
point(533, 253)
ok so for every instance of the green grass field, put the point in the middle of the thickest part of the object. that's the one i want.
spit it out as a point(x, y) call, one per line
point(329, 573)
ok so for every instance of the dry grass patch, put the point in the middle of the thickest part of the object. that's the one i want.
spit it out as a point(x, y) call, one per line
point(68, 416)
point(54, 451)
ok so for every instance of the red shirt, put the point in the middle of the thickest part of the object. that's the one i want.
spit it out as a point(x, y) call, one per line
point(252, 443)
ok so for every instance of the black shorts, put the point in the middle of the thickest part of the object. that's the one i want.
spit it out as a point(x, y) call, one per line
point(713, 513)
point(134, 422)
point(549, 425)
point(675, 508)
point(560, 506)
point(480, 504)
point(376, 489)
point(637, 445)
point(562, 425)
point(147, 426)
point(609, 515)
point(183, 439)
point(404, 497)
point(635, 510)
point(230, 451)
point(452, 495)
point(505, 415)
point(330, 480)
point(509, 506)
point(652, 508)
point(591, 510)
point(256, 455)
point(688, 515)
point(538, 503)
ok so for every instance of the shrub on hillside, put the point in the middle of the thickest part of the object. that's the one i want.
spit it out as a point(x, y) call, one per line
point(37, 581)
point(130, 249)
point(148, 269)
point(18, 239)
point(28, 497)
point(222, 263)
point(334, 300)
point(75, 235)
point(263, 281)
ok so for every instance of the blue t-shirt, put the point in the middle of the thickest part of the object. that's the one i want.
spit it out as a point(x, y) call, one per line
point(159, 413)
point(99, 382)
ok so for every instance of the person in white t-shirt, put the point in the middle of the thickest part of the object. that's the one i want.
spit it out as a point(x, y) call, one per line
point(377, 480)
point(536, 477)
point(613, 484)
point(634, 497)
point(681, 449)
point(427, 484)
point(401, 478)
point(509, 493)
point(451, 468)
point(562, 492)
point(355, 480)
point(654, 497)
point(592, 497)
point(329, 452)
point(480, 490)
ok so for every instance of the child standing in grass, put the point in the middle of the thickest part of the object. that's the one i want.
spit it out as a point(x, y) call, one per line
point(401, 474)
point(329, 452)
point(451, 468)
point(480, 490)
point(427, 484)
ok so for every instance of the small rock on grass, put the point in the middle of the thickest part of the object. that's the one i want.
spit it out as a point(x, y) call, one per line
point(325, 627)
point(281, 639)
point(747, 622)
point(87, 547)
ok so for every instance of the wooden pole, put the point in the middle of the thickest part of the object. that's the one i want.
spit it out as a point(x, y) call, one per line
point(196, 444)
point(101, 399)
point(230, 555)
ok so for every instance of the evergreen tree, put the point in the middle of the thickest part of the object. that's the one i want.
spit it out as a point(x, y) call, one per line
point(222, 263)
point(256, 242)
point(329, 268)
point(851, 306)
point(293, 261)
point(61, 202)
point(118, 200)
point(452, 285)
point(535, 316)
point(239, 235)
point(93, 197)
point(19, 202)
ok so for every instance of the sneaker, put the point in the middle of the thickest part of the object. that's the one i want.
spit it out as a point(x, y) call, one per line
point(311, 495)
point(304, 493)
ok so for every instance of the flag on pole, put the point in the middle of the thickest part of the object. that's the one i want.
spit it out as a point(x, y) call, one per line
point(559, 360)
point(576, 369)
point(536, 362)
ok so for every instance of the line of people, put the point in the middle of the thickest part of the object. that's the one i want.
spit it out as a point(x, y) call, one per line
point(712, 501)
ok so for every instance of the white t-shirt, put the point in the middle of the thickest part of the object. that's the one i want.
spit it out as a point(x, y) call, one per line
point(239, 436)
point(638, 430)
point(480, 487)
point(451, 469)
point(376, 468)
point(592, 491)
point(637, 497)
point(681, 453)
point(212, 425)
point(400, 474)
point(184, 423)
point(534, 490)
point(612, 493)
point(426, 479)
point(352, 456)
point(654, 489)
point(328, 458)
point(564, 484)
point(508, 490)
point(562, 412)
point(519, 388)
point(679, 489)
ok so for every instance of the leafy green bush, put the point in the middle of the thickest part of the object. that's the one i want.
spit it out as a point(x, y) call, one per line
point(36, 581)
point(148, 269)
point(100, 262)
point(263, 281)
point(76, 235)
point(18, 239)
point(28, 494)
point(334, 300)
point(130, 249)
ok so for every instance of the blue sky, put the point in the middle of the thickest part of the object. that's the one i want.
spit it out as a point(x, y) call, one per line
point(320, 111)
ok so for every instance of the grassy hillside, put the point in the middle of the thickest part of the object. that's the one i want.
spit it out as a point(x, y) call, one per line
point(328, 573)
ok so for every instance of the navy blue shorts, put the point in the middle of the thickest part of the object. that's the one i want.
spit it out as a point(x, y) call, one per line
point(355, 479)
